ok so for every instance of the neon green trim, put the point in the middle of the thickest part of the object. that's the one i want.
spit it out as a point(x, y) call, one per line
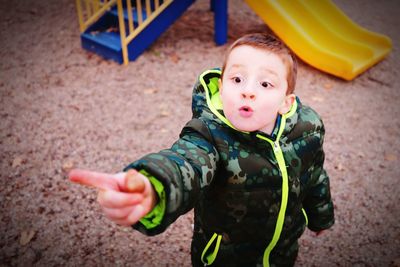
point(213, 87)
point(155, 216)
point(292, 110)
point(305, 215)
point(284, 117)
point(216, 101)
point(285, 191)
point(210, 103)
point(210, 258)
point(285, 184)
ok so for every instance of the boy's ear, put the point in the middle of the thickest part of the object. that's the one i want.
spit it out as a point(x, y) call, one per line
point(287, 104)
point(220, 85)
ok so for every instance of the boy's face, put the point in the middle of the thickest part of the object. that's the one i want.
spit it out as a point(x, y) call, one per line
point(253, 89)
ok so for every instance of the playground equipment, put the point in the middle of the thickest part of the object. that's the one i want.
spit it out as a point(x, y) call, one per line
point(316, 30)
point(122, 29)
point(323, 36)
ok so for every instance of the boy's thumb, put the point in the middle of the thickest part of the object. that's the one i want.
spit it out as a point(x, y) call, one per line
point(133, 181)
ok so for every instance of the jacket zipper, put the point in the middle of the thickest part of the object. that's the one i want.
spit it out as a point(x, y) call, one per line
point(285, 188)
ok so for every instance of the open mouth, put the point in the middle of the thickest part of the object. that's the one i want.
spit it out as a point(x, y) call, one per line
point(245, 111)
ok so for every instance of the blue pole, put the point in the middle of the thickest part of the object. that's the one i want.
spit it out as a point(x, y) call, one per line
point(212, 5)
point(220, 8)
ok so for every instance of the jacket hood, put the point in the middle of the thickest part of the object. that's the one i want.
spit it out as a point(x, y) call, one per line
point(206, 103)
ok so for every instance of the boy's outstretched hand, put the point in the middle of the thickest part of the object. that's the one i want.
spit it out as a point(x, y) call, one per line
point(124, 197)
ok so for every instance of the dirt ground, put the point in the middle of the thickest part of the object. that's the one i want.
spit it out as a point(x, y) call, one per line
point(63, 107)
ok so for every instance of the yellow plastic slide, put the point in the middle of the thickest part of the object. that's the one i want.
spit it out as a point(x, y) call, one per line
point(323, 36)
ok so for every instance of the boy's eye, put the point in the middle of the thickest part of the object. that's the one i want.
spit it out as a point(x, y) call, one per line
point(237, 79)
point(266, 84)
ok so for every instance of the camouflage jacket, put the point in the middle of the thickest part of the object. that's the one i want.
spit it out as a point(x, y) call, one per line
point(253, 194)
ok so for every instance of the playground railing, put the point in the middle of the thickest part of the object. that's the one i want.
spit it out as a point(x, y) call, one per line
point(153, 9)
point(89, 11)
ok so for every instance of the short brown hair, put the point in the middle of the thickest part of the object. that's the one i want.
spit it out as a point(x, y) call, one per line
point(272, 44)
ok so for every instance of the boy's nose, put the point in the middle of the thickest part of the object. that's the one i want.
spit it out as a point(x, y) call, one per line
point(248, 95)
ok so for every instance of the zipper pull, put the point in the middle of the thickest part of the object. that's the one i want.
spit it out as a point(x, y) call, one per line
point(276, 146)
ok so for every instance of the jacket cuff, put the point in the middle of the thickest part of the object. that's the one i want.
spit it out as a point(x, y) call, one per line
point(155, 216)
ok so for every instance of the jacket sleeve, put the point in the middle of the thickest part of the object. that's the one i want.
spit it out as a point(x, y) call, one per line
point(179, 174)
point(318, 203)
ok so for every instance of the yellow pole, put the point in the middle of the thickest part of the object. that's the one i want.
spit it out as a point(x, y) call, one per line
point(130, 19)
point(122, 32)
point(96, 15)
point(139, 11)
point(88, 8)
point(96, 5)
point(148, 8)
point(80, 15)
point(148, 20)
point(157, 4)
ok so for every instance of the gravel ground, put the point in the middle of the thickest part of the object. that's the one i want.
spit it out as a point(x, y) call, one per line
point(63, 107)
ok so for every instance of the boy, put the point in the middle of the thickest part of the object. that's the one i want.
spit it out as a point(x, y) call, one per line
point(250, 163)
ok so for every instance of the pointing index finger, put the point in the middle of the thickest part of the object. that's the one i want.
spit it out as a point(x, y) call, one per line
point(93, 179)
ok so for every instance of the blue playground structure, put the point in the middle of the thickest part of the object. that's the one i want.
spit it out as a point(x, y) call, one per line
point(122, 30)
